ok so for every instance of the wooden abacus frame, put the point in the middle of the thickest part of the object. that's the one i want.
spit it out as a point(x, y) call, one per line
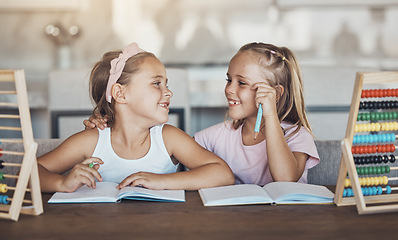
point(28, 171)
point(379, 203)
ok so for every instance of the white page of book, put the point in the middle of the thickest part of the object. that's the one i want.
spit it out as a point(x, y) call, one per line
point(292, 192)
point(236, 194)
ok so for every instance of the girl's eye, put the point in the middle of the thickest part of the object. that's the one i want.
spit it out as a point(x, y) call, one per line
point(157, 83)
point(241, 83)
point(228, 80)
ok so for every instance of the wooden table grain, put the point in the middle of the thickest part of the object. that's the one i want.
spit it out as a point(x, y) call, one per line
point(191, 220)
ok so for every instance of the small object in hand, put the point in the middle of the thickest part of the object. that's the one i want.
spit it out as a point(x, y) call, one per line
point(91, 165)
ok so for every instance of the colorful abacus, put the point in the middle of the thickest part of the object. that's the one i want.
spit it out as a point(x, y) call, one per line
point(11, 207)
point(369, 146)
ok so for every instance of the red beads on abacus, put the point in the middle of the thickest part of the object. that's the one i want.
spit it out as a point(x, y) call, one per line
point(379, 93)
point(365, 149)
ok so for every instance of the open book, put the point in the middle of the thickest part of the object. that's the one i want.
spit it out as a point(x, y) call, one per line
point(106, 192)
point(272, 193)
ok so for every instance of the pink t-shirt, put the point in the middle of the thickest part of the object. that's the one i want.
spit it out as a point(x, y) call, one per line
point(249, 163)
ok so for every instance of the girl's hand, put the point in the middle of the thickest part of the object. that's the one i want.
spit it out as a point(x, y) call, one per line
point(82, 174)
point(95, 121)
point(267, 96)
point(144, 179)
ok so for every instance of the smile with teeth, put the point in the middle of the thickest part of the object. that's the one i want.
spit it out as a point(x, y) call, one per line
point(164, 105)
point(233, 102)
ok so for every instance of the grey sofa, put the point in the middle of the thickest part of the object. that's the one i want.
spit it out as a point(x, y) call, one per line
point(325, 173)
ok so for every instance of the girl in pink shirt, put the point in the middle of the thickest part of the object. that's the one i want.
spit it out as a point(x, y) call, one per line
point(284, 149)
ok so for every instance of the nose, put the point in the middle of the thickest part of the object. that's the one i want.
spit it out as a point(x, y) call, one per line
point(168, 93)
point(230, 88)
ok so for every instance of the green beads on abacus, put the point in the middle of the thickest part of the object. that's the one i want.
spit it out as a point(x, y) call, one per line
point(377, 116)
point(1, 176)
point(373, 170)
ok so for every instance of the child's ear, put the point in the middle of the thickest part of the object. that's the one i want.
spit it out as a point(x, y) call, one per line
point(279, 92)
point(118, 93)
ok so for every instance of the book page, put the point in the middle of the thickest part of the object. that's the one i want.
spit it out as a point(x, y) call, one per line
point(293, 192)
point(234, 195)
point(140, 193)
point(104, 192)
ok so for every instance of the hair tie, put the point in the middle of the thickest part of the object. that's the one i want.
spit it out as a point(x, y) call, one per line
point(117, 66)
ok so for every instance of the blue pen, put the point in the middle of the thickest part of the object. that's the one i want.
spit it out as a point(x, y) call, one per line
point(258, 121)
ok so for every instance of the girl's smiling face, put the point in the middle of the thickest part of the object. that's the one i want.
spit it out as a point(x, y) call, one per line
point(147, 94)
point(243, 72)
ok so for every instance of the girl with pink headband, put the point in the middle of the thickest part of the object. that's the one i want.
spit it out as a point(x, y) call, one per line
point(137, 147)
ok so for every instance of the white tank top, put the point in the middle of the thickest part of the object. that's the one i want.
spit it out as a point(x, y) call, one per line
point(115, 168)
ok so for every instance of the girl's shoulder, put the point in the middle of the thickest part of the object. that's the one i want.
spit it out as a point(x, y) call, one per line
point(84, 139)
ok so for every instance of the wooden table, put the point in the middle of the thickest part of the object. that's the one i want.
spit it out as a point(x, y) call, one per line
point(191, 220)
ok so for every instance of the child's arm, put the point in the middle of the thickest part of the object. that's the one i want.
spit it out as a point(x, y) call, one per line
point(74, 155)
point(284, 164)
point(206, 169)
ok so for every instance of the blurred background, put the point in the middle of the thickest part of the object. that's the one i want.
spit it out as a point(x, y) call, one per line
point(57, 43)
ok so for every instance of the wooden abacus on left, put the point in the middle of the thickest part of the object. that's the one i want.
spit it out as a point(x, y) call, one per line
point(27, 180)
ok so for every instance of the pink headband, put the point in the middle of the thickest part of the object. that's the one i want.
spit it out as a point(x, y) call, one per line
point(117, 66)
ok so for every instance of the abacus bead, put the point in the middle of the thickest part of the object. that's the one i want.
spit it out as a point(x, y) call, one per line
point(364, 191)
point(345, 193)
point(1, 161)
point(390, 116)
point(387, 169)
point(1, 176)
point(394, 115)
point(365, 171)
point(379, 190)
point(367, 181)
point(3, 188)
point(347, 182)
point(378, 170)
point(388, 104)
point(350, 193)
point(363, 93)
point(388, 189)
point(374, 190)
point(381, 170)
point(368, 116)
point(377, 181)
point(379, 159)
point(383, 138)
point(373, 149)
point(385, 159)
point(3, 199)
point(392, 158)
point(361, 181)
point(385, 180)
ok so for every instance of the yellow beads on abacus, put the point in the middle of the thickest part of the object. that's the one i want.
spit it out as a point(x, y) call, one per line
point(3, 188)
point(375, 127)
point(368, 181)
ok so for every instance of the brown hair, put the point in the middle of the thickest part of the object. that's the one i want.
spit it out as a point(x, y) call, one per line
point(99, 79)
point(282, 63)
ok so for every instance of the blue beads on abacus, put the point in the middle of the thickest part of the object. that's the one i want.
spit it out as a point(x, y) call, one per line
point(374, 138)
point(367, 191)
point(4, 199)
